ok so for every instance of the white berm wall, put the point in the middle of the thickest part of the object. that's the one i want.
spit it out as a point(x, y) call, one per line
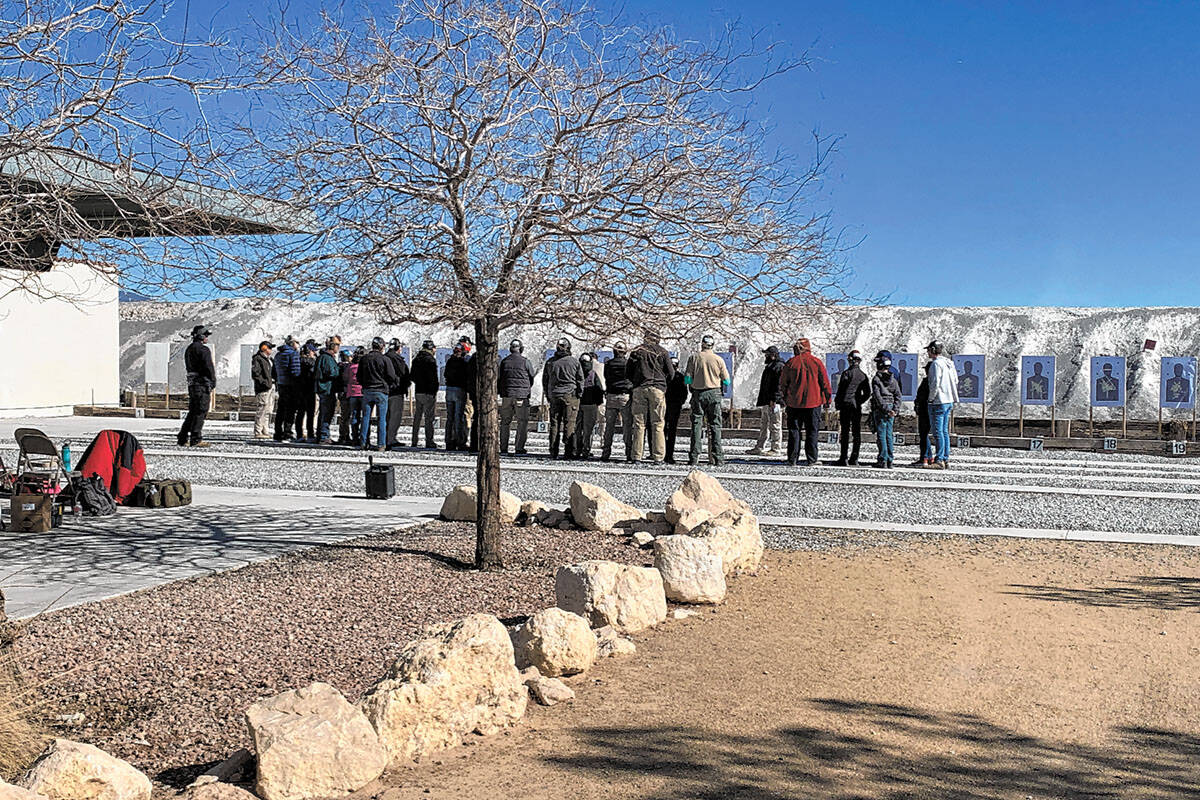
point(61, 342)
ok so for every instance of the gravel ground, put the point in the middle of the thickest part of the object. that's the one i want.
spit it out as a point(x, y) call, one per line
point(650, 487)
point(162, 676)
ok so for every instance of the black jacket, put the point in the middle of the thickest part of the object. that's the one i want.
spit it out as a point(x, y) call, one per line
point(562, 377)
point(853, 389)
point(921, 401)
point(593, 390)
point(424, 372)
point(650, 365)
point(308, 374)
point(458, 374)
point(197, 359)
point(616, 379)
point(768, 384)
point(401, 368)
point(516, 377)
point(376, 373)
point(677, 390)
point(262, 372)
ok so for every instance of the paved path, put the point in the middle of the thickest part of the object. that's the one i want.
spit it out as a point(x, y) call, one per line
point(92, 559)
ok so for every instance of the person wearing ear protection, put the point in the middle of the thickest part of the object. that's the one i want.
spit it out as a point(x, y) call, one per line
point(707, 376)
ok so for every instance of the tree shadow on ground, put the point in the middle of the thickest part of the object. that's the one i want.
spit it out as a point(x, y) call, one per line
point(892, 752)
point(1153, 592)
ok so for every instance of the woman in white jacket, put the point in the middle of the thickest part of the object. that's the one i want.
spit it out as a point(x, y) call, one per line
point(943, 394)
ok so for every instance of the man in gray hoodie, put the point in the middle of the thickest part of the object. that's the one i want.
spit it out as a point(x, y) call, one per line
point(562, 385)
point(515, 385)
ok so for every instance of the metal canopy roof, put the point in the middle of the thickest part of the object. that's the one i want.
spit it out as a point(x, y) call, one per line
point(123, 202)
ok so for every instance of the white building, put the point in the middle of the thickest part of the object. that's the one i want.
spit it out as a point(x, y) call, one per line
point(61, 340)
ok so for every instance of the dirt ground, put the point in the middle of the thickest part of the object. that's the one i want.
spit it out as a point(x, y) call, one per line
point(953, 669)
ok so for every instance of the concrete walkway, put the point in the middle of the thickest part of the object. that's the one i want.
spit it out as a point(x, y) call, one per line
point(96, 558)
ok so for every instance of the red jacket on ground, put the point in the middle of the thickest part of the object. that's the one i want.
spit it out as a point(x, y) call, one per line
point(804, 382)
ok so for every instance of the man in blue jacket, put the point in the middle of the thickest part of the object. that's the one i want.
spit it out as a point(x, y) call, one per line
point(287, 381)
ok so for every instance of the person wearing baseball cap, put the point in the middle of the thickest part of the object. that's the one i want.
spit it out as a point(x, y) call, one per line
point(707, 376)
point(262, 369)
point(287, 384)
point(885, 406)
point(770, 405)
point(804, 384)
point(617, 399)
point(201, 380)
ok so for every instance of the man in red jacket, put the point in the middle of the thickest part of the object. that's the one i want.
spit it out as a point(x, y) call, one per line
point(804, 384)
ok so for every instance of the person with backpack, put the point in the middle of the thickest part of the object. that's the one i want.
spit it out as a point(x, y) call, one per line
point(424, 377)
point(617, 389)
point(885, 407)
point(562, 386)
point(326, 377)
point(515, 385)
point(943, 394)
point(853, 389)
point(262, 369)
point(770, 406)
point(589, 405)
point(398, 393)
point(804, 383)
point(201, 380)
point(287, 375)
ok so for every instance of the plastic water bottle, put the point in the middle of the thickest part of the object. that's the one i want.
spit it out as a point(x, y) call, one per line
point(66, 456)
point(77, 511)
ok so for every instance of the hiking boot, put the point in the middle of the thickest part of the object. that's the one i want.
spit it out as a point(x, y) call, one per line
point(200, 444)
point(520, 451)
point(754, 451)
point(841, 462)
point(926, 464)
point(772, 452)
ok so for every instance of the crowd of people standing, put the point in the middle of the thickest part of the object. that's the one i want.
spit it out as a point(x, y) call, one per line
point(642, 392)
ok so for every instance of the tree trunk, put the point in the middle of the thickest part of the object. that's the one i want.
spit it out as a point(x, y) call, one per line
point(487, 471)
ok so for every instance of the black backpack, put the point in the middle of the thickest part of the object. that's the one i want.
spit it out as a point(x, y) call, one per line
point(93, 497)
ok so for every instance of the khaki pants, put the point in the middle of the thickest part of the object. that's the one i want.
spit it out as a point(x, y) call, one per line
point(423, 408)
point(770, 426)
point(510, 407)
point(588, 415)
point(617, 406)
point(264, 403)
point(395, 415)
point(649, 406)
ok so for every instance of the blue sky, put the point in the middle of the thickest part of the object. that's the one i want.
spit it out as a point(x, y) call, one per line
point(991, 153)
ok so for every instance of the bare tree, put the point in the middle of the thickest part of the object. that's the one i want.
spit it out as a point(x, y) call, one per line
point(516, 162)
point(102, 132)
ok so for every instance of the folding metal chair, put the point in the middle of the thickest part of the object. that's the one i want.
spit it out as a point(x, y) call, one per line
point(38, 457)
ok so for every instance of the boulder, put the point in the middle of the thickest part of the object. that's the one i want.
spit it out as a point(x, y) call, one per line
point(458, 678)
point(216, 790)
point(461, 505)
point(550, 691)
point(628, 598)
point(76, 771)
point(557, 642)
point(736, 538)
point(610, 644)
point(642, 539)
point(692, 572)
point(594, 509)
point(553, 518)
point(10, 792)
point(655, 528)
point(698, 499)
point(311, 742)
point(531, 510)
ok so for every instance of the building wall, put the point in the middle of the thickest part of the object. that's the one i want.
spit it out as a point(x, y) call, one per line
point(61, 341)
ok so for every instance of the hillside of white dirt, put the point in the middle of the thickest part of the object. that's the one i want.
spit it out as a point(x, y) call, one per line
point(1003, 334)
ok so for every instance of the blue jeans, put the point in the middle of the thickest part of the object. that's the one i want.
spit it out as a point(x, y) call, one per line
point(939, 430)
point(884, 431)
point(327, 407)
point(374, 401)
point(456, 418)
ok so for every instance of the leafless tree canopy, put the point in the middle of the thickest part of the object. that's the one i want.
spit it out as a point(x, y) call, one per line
point(101, 124)
point(526, 161)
